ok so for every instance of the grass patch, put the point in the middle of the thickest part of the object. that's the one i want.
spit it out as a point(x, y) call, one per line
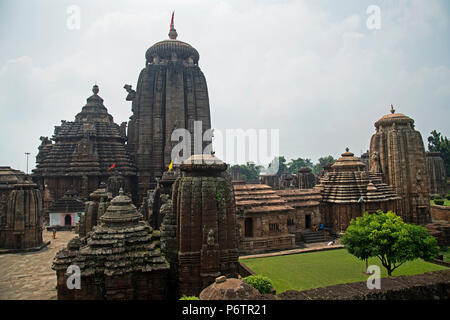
point(446, 202)
point(324, 268)
point(446, 254)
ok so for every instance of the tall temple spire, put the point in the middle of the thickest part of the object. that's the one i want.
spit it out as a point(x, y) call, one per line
point(172, 32)
point(392, 109)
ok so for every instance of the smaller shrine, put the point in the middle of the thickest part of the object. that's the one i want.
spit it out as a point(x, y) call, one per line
point(21, 211)
point(65, 213)
point(119, 260)
point(348, 190)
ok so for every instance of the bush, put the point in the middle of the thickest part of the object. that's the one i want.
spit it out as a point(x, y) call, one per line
point(260, 283)
point(447, 197)
point(434, 196)
point(439, 202)
point(189, 298)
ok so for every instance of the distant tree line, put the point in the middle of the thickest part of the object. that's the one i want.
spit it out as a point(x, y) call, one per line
point(250, 172)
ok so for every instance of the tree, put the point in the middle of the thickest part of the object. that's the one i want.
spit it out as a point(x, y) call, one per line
point(249, 172)
point(391, 240)
point(323, 161)
point(438, 143)
point(295, 164)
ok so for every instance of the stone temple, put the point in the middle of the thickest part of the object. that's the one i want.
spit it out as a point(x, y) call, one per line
point(82, 152)
point(21, 211)
point(171, 93)
point(398, 153)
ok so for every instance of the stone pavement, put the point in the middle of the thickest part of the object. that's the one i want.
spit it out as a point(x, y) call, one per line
point(29, 276)
point(312, 247)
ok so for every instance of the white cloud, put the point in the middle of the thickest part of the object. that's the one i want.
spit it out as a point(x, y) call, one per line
point(290, 65)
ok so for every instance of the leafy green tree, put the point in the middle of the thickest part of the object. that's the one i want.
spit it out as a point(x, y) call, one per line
point(323, 161)
point(249, 172)
point(295, 164)
point(438, 143)
point(391, 240)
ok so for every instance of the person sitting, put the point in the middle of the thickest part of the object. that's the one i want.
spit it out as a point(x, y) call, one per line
point(314, 227)
point(321, 227)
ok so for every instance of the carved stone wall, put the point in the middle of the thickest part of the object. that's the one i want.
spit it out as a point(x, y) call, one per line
point(398, 153)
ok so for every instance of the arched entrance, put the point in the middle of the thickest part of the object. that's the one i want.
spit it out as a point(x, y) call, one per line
point(68, 220)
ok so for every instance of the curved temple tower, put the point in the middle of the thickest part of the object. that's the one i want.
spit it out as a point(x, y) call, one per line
point(398, 153)
point(171, 93)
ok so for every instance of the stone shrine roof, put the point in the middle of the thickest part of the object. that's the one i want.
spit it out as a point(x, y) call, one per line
point(259, 198)
point(390, 119)
point(11, 178)
point(122, 243)
point(87, 146)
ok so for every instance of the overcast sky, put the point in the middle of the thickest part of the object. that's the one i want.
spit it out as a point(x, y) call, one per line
point(312, 69)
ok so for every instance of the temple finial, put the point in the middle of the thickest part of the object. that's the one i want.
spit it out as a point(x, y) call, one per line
point(347, 149)
point(95, 89)
point(172, 32)
point(392, 109)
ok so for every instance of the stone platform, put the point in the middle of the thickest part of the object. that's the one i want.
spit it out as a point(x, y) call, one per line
point(28, 276)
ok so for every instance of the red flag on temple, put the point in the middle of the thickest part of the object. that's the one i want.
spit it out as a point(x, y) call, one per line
point(171, 22)
point(113, 166)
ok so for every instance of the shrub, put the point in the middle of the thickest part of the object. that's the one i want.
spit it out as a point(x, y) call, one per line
point(189, 298)
point(260, 283)
point(439, 202)
point(447, 197)
point(434, 196)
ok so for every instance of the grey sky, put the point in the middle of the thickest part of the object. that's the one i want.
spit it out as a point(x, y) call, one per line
point(310, 68)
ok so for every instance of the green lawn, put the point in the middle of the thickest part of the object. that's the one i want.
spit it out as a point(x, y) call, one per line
point(324, 268)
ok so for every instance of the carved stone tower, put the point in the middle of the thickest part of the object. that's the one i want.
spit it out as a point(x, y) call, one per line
point(398, 153)
point(171, 94)
point(203, 201)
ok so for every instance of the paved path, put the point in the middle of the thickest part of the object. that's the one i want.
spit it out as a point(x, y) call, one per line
point(29, 276)
point(321, 246)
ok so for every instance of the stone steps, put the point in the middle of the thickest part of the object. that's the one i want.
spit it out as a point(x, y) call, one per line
point(314, 237)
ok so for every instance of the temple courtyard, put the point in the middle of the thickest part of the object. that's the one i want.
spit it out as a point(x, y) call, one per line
point(29, 276)
point(324, 268)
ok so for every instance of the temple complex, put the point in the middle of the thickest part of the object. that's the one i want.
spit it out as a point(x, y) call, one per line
point(437, 173)
point(83, 153)
point(120, 259)
point(171, 94)
point(204, 205)
point(262, 218)
point(398, 154)
point(348, 191)
point(21, 211)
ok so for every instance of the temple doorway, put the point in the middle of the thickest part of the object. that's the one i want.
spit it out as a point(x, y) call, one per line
point(68, 220)
point(308, 221)
point(248, 227)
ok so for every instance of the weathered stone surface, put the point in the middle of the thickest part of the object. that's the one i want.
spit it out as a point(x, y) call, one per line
point(398, 154)
point(437, 173)
point(119, 259)
point(171, 94)
point(348, 191)
point(21, 211)
point(229, 289)
point(428, 286)
point(203, 201)
point(305, 178)
point(262, 218)
point(82, 154)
